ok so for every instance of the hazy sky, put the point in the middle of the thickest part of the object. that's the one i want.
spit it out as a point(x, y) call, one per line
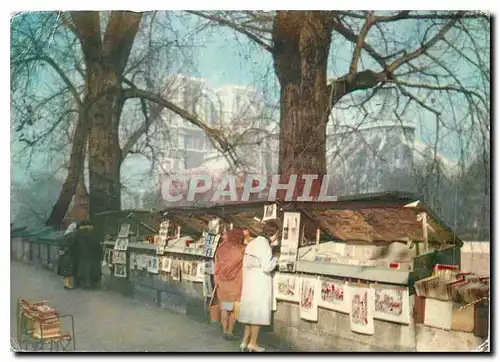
point(223, 57)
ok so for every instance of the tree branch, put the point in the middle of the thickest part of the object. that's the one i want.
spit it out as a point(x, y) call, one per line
point(215, 137)
point(416, 53)
point(370, 21)
point(236, 27)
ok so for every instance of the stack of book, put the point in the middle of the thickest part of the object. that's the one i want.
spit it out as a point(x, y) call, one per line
point(45, 323)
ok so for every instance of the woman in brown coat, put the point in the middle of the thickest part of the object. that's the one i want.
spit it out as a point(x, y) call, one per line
point(227, 274)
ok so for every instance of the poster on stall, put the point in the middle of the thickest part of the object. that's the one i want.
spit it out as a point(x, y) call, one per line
point(153, 265)
point(309, 291)
point(166, 264)
point(210, 244)
point(120, 271)
point(119, 257)
point(392, 303)
point(121, 244)
point(333, 295)
point(270, 212)
point(213, 226)
point(176, 270)
point(361, 308)
point(124, 231)
point(164, 232)
point(142, 261)
point(287, 287)
point(290, 238)
point(200, 272)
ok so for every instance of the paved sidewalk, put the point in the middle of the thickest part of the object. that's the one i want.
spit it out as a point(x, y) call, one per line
point(109, 322)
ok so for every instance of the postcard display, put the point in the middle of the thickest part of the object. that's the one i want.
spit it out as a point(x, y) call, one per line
point(119, 253)
point(289, 241)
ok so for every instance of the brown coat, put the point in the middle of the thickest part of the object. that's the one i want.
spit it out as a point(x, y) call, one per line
point(228, 272)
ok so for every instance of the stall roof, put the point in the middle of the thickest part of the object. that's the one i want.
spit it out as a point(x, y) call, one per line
point(375, 217)
point(380, 217)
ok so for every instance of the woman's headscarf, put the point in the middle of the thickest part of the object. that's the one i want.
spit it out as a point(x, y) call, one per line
point(229, 257)
point(71, 228)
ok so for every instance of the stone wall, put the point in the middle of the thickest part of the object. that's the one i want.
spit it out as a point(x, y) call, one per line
point(332, 332)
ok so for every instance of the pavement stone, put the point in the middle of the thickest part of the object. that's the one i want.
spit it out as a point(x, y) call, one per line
point(108, 322)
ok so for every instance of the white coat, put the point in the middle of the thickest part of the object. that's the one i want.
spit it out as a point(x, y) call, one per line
point(257, 289)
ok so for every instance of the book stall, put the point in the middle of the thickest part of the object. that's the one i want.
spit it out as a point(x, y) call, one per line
point(362, 257)
point(355, 256)
point(453, 300)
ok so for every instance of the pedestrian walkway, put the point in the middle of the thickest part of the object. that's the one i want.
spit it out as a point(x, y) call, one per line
point(109, 322)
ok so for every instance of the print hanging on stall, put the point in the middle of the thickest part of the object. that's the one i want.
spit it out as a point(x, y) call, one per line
point(198, 271)
point(160, 249)
point(121, 244)
point(361, 304)
point(333, 295)
point(166, 265)
point(120, 271)
point(142, 261)
point(309, 291)
point(164, 232)
point(119, 257)
point(287, 287)
point(391, 303)
point(289, 240)
point(270, 212)
point(124, 231)
point(153, 265)
point(213, 226)
point(176, 270)
point(186, 270)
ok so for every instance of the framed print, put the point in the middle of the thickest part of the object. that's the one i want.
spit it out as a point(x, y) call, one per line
point(176, 270)
point(290, 237)
point(287, 287)
point(213, 226)
point(121, 244)
point(333, 295)
point(160, 249)
point(270, 212)
point(309, 291)
point(166, 264)
point(361, 309)
point(153, 265)
point(124, 231)
point(392, 303)
point(120, 271)
point(119, 257)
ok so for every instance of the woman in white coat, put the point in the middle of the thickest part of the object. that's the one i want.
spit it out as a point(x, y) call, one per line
point(257, 289)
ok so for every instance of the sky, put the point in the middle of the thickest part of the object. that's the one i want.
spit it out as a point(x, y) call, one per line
point(223, 57)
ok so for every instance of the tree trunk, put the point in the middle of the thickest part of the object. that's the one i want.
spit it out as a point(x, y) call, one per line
point(105, 61)
point(301, 46)
point(104, 151)
point(75, 169)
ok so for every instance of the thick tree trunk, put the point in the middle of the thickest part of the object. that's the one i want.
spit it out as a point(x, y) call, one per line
point(301, 46)
point(104, 147)
point(75, 169)
point(105, 61)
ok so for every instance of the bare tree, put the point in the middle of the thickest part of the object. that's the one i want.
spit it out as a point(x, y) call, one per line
point(88, 52)
point(410, 51)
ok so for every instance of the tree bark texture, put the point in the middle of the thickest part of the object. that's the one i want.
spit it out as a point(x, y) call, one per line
point(301, 47)
point(105, 62)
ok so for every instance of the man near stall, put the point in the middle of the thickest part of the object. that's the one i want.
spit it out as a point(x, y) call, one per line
point(68, 257)
point(90, 254)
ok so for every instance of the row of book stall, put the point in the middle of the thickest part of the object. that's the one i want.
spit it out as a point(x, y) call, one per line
point(380, 260)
